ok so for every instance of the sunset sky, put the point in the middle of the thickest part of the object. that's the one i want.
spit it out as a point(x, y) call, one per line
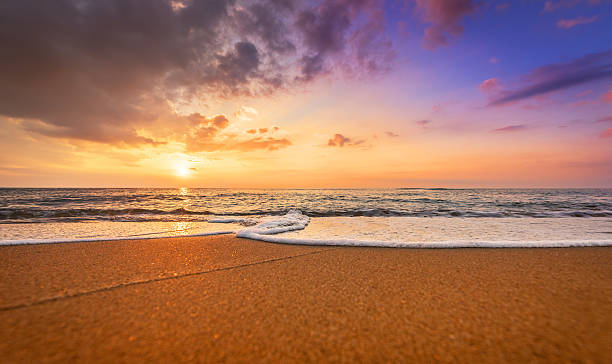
point(284, 93)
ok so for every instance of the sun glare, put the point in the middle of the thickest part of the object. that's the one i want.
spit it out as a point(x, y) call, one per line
point(182, 170)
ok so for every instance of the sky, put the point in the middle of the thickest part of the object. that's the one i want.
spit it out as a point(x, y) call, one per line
point(305, 94)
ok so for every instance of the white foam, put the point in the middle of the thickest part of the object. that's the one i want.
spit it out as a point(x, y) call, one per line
point(428, 244)
point(417, 232)
point(88, 240)
point(293, 220)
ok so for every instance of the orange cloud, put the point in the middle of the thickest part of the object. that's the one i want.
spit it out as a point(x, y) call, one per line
point(206, 136)
point(338, 140)
point(259, 143)
point(606, 133)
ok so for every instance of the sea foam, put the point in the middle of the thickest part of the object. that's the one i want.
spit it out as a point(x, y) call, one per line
point(271, 230)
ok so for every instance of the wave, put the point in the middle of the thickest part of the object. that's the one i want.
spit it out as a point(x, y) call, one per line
point(17, 214)
point(248, 217)
point(271, 229)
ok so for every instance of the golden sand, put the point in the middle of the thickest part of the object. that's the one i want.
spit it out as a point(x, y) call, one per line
point(212, 299)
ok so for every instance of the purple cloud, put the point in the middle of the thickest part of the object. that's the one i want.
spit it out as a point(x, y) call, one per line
point(445, 16)
point(510, 128)
point(590, 68)
point(607, 119)
point(570, 23)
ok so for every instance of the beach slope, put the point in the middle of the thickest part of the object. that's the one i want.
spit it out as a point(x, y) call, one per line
point(221, 298)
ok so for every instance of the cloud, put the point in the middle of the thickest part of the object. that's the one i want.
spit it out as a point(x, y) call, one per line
point(494, 60)
point(391, 134)
point(606, 133)
point(490, 86)
point(590, 68)
point(510, 128)
point(445, 16)
point(570, 23)
point(607, 97)
point(104, 70)
point(606, 119)
point(246, 113)
point(349, 30)
point(550, 6)
point(207, 134)
point(261, 143)
point(338, 140)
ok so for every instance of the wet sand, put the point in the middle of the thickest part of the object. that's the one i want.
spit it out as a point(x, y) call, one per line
point(224, 299)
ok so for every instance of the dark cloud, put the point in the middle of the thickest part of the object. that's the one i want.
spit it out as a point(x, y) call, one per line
point(510, 128)
point(590, 68)
point(104, 70)
point(391, 134)
point(265, 21)
point(423, 122)
point(349, 32)
point(445, 16)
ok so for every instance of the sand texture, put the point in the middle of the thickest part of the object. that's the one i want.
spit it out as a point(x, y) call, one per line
point(224, 299)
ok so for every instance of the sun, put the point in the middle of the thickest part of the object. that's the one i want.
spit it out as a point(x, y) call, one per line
point(182, 170)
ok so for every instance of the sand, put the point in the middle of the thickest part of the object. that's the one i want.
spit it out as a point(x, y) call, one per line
point(224, 299)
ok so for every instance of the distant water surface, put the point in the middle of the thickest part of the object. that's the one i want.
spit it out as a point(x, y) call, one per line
point(391, 215)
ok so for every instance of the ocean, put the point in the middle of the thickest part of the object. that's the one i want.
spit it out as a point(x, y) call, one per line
point(403, 217)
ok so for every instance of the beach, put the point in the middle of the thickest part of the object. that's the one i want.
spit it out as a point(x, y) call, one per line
point(225, 299)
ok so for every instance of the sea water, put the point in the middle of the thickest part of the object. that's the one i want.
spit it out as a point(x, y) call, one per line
point(361, 217)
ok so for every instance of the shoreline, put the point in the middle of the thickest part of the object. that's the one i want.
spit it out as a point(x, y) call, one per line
point(222, 298)
point(279, 239)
